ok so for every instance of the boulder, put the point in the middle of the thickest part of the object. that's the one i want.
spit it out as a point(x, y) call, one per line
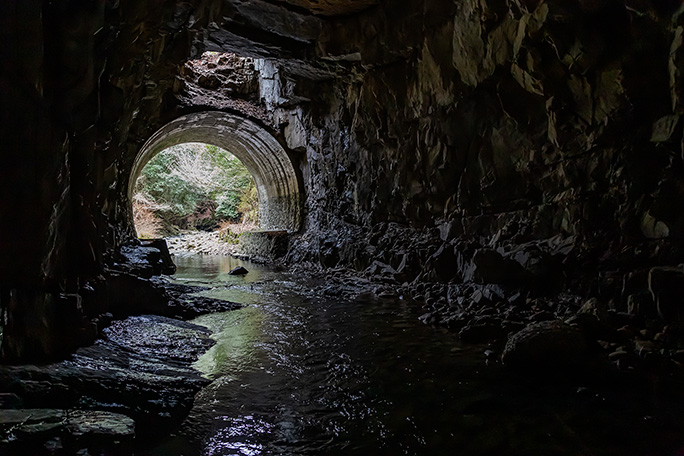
point(139, 260)
point(165, 264)
point(238, 271)
point(489, 266)
point(545, 345)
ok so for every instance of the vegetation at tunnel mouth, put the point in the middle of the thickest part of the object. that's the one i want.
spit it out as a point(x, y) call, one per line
point(193, 186)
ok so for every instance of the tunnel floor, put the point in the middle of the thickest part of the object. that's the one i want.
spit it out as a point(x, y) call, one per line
point(320, 366)
point(294, 364)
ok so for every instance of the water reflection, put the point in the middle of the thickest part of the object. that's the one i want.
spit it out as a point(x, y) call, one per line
point(214, 269)
point(237, 349)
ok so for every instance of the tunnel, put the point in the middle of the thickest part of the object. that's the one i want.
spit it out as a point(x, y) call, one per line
point(273, 172)
point(502, 179)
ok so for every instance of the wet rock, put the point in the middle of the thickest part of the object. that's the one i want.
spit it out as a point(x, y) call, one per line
point(129, 294)
point(140, 260)
point(165, 264)
point(42, 425)
point(32, 422)
point(161, 337)
point(545, 345)
point(93, 423)
point(240, 270)
point(186, 306)
point(142, 368)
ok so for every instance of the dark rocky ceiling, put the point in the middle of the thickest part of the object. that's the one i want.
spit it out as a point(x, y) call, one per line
point(332, 7)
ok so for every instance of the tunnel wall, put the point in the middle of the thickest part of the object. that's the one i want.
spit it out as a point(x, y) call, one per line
point(547, 133)
point(75, 77)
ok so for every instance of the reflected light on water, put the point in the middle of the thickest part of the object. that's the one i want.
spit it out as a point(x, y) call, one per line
point(237, 438)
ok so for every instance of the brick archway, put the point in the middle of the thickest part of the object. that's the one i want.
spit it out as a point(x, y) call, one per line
point(263, 156)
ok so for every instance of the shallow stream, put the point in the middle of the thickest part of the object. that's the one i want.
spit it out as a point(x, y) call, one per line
point(307, 368)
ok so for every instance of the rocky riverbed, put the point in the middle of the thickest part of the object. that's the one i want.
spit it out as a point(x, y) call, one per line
point(130, 386)
point(135, 380)
point(136, 383)
point(200, 242)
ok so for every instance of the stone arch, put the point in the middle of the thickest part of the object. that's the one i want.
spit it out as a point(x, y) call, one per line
point(263, 156)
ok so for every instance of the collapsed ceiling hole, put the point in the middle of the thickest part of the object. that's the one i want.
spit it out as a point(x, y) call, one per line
point(224, 81)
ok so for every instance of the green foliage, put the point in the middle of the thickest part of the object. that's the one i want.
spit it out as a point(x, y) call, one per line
point(249, 205)
point(228, 206)
point(168, 190)
point(181, 178)
point(230, 237)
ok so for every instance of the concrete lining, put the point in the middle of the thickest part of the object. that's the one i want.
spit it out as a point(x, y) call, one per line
point(262, 155)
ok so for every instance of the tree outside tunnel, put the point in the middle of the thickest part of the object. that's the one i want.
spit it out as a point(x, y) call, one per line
point(193, 186)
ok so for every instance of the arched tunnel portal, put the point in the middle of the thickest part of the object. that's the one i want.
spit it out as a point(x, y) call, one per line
point(269, 164)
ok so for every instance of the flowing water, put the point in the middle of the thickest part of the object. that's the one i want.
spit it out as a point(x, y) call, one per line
point(311, 369)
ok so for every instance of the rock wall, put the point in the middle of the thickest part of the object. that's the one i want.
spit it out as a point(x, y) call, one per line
point(81, 85)
point(529, 143)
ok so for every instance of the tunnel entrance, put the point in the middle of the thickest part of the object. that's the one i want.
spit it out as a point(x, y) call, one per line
point(268, 163)
point(194, 186)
